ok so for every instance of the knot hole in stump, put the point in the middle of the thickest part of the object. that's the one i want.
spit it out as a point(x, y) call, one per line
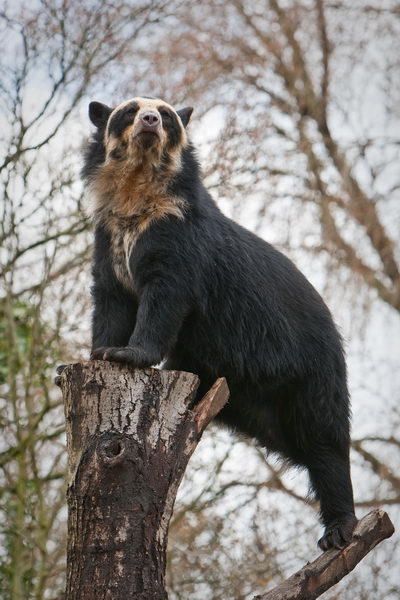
point(113, 450)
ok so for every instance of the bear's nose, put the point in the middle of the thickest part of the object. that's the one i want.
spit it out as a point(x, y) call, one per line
point(150, 119)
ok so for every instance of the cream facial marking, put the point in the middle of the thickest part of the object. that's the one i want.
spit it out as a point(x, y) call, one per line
point(143, 132)
point(144, 105)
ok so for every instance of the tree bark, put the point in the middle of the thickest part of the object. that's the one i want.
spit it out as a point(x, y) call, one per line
point(130, 434)
point(329, 568)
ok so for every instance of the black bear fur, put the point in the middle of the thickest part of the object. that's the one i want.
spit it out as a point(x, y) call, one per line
point(212, 298)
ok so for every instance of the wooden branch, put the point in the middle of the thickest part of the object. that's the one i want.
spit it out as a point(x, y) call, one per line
point(318, 576)
point(130, 434)
point(326, 52)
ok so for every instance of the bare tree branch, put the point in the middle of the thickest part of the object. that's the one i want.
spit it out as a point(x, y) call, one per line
point(329, 568)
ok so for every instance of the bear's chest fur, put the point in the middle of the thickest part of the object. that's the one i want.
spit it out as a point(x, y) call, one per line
point(126, 203)
point(124, 233)
point(125, 230)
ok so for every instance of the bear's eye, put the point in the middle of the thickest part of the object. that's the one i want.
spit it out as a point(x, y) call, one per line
point(131, 111)
point(164, 113)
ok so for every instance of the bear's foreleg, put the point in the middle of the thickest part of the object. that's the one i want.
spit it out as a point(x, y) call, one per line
point(159, 317)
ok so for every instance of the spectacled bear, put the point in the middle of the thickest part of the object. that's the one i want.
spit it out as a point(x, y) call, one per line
point(176, 280)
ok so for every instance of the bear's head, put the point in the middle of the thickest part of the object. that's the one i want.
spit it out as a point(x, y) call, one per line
point(141, 131)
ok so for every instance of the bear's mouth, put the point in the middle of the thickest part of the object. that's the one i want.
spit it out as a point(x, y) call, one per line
point(146, 138)
point(147, 133)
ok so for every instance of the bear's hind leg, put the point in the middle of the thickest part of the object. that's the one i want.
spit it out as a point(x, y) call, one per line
point(320, 442)
point(327, 461)
point(329, 471)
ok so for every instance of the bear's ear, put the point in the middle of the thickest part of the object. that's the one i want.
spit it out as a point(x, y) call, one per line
point(99, 113)
point(185, 114)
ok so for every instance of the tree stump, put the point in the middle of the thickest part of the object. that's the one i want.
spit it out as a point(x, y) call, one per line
point(130, 434)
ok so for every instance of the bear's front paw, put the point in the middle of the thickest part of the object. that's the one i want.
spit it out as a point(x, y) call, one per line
point(338, 533)
point(98, 353)
point(131, 355)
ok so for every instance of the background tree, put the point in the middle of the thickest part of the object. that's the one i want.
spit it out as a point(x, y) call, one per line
point(53, 55)
point(297, 126)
